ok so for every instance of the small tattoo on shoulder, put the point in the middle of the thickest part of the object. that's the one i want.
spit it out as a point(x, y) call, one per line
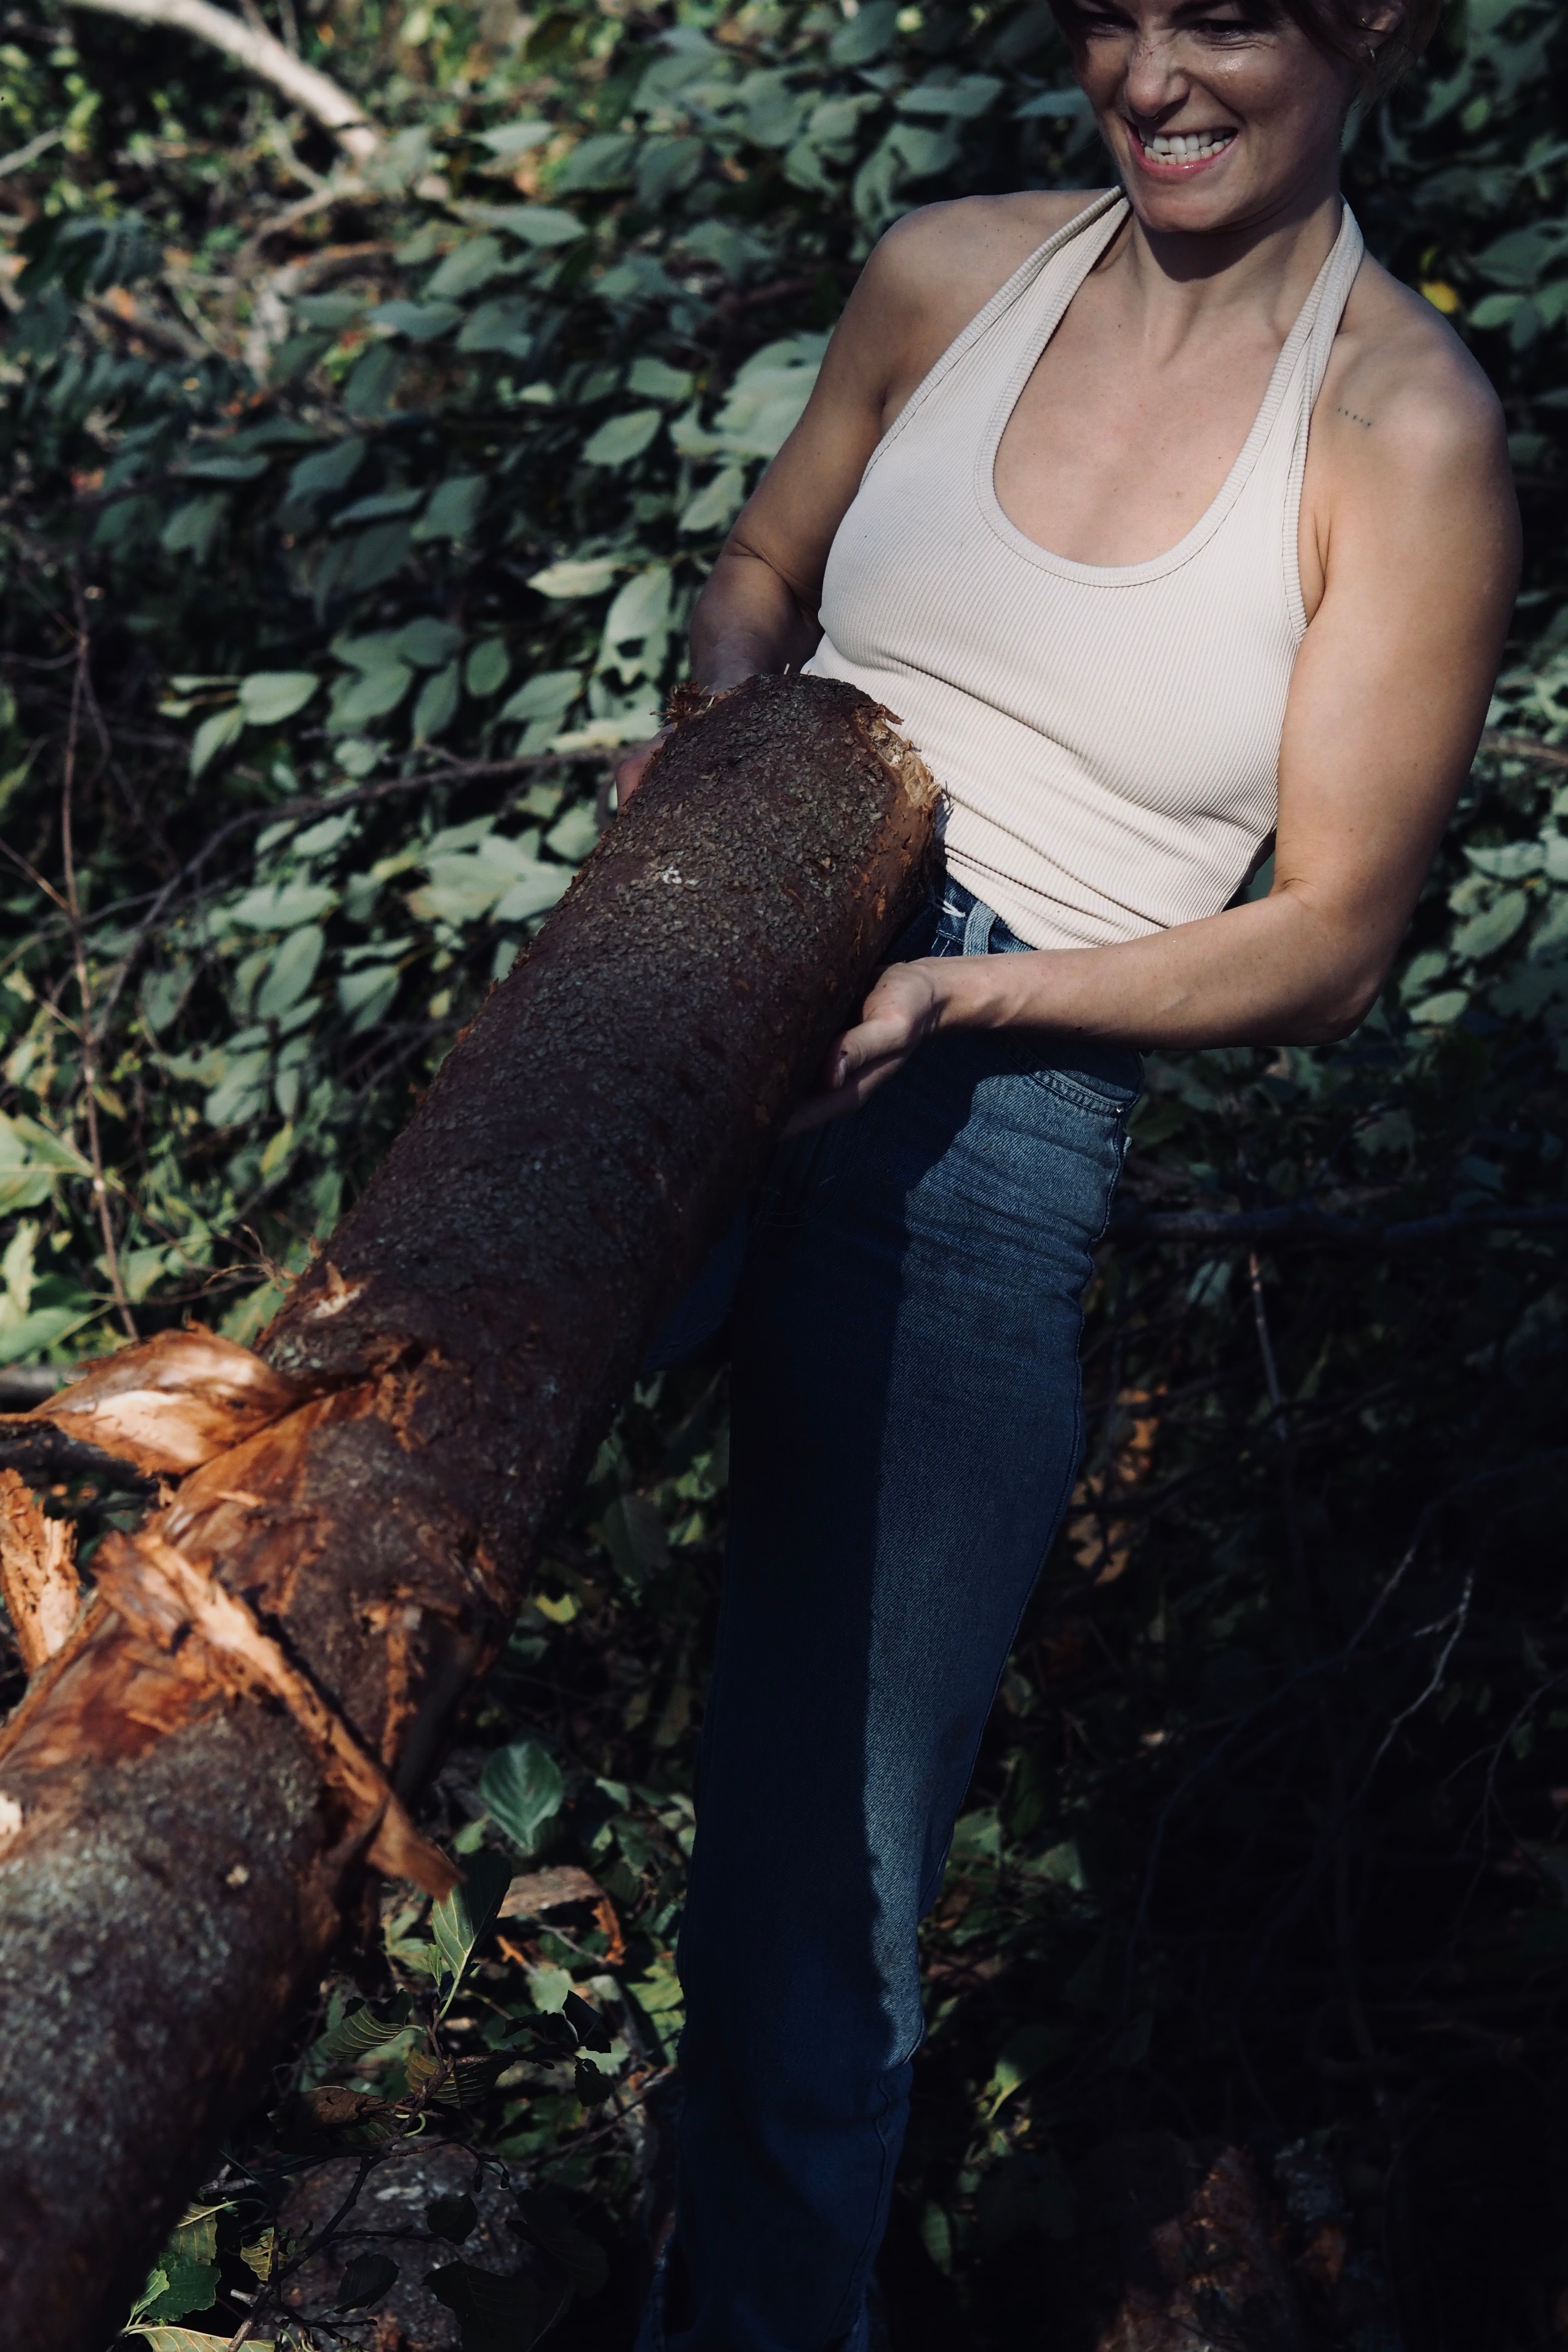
point(1354, 415)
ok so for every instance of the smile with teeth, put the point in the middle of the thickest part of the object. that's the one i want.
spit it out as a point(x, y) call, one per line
point(1184, 146)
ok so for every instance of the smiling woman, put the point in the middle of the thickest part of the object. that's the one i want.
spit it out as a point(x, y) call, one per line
point(1376, 44)
point(1169, 525)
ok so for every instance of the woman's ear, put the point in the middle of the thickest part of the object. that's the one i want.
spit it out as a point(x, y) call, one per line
point(1377, 22)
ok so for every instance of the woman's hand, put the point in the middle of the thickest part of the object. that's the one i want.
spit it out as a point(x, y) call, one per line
point(910, 1003)
point(631, 770)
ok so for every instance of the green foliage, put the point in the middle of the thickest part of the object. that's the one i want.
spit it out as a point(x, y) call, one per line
point(523, 1787)
point(349, 524)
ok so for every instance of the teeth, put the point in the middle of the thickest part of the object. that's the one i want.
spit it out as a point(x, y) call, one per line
point(1185, 146)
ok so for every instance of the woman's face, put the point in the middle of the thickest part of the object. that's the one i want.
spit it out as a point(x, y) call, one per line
point(1218, 115)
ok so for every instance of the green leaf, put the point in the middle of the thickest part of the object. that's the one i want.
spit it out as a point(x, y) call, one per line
point(462, 1918)
point(604, 161)
point(716, 507)
point(1440, 1012)
point(467, 267)
point(484, 672)
point(427, 643)
point(641, 608)
point(359, 2030)
point(494, 2314)
point(365, 2282)
point(187, 2285)
point(522, 1789)
point(540, 224)
point(328, 469)
point(190, 2339)
point(1022, 2058)
point(515, 138)
point(655, 381)
point(454, 508)
point(573, 836)
point(215, 735)
point(222, 470)
point(1485, 933)
point(568, 579)
point(374, 509)
point(548, 695)
point(867, 35)
point(421, 323)
point(356, 700)
point(192, 528)
point(240, 1093)
point(532, 894)
point(437, 704)
point(290, 973)
point(622, 438)
point(268, 697)
point(283, 906)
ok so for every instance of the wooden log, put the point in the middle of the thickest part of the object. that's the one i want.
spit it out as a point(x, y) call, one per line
point(195, 1775)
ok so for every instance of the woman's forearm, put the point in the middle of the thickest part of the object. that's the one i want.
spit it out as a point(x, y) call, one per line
point(1283, 971)
point(748, 619)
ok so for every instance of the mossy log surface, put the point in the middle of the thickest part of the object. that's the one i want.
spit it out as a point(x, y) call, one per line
point(177, 1852)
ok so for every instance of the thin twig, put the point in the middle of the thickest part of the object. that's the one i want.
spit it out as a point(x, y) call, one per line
point(1524, 747)
point(84, 991)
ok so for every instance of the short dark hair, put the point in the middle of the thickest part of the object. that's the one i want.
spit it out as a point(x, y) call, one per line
point(1338, 27)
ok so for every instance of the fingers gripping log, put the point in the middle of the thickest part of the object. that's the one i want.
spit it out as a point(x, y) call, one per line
point(195, 1775)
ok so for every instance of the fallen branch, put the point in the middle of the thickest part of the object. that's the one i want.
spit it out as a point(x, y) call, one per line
point(193, 1778)
point(1301, 1222)
point(255, 48)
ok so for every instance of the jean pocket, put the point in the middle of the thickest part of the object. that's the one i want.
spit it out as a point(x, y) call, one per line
point(807, 1168)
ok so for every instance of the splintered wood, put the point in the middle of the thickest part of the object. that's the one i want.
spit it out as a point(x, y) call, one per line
point(37, 1572)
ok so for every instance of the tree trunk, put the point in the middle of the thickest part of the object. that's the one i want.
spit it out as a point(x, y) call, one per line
point(193, 1778)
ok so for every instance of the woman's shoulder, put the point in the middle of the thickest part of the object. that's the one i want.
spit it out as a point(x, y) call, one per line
point(942, 264)
point(1401, 388)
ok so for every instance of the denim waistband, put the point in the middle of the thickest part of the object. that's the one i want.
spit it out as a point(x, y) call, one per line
point(967, 926)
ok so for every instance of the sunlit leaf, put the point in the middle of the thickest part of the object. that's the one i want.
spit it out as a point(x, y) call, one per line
point(459, 1920)
point(521, 1788)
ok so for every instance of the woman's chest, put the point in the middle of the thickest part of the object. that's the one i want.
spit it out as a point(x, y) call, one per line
point(1113, 450)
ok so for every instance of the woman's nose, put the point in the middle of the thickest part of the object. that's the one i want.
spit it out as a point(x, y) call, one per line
point(1154, 83)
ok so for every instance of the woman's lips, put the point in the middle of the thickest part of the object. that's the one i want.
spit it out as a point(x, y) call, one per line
point(1164, 163)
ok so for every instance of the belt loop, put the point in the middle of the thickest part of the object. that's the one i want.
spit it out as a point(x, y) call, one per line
point(977, 930)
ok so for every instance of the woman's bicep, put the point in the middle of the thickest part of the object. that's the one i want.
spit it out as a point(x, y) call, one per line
point(1392, 683)
point(792, 516)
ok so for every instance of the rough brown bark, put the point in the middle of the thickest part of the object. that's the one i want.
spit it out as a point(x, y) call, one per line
point(194, 1776)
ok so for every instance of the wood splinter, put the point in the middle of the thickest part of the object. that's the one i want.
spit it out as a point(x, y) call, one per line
point(37, 1573)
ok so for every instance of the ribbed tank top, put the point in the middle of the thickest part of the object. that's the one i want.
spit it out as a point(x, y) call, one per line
point(1107, 735)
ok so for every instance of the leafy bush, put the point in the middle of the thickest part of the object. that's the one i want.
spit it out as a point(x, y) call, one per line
point(352, 519)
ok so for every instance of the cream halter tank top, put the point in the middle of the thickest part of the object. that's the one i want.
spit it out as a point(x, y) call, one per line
point(1107, 736)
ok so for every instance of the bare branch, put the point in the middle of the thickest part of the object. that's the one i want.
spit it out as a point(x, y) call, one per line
point(260, 54)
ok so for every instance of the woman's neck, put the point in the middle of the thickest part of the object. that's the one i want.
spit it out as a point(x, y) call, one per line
point(1177, 284)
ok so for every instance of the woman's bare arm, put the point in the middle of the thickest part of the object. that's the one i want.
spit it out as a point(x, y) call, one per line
point(923, 283)
point(1387, 705)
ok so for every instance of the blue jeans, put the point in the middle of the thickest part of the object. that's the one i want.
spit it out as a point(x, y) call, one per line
point(907, 1427)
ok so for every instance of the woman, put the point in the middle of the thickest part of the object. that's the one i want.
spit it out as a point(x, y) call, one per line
point(1055, 503)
